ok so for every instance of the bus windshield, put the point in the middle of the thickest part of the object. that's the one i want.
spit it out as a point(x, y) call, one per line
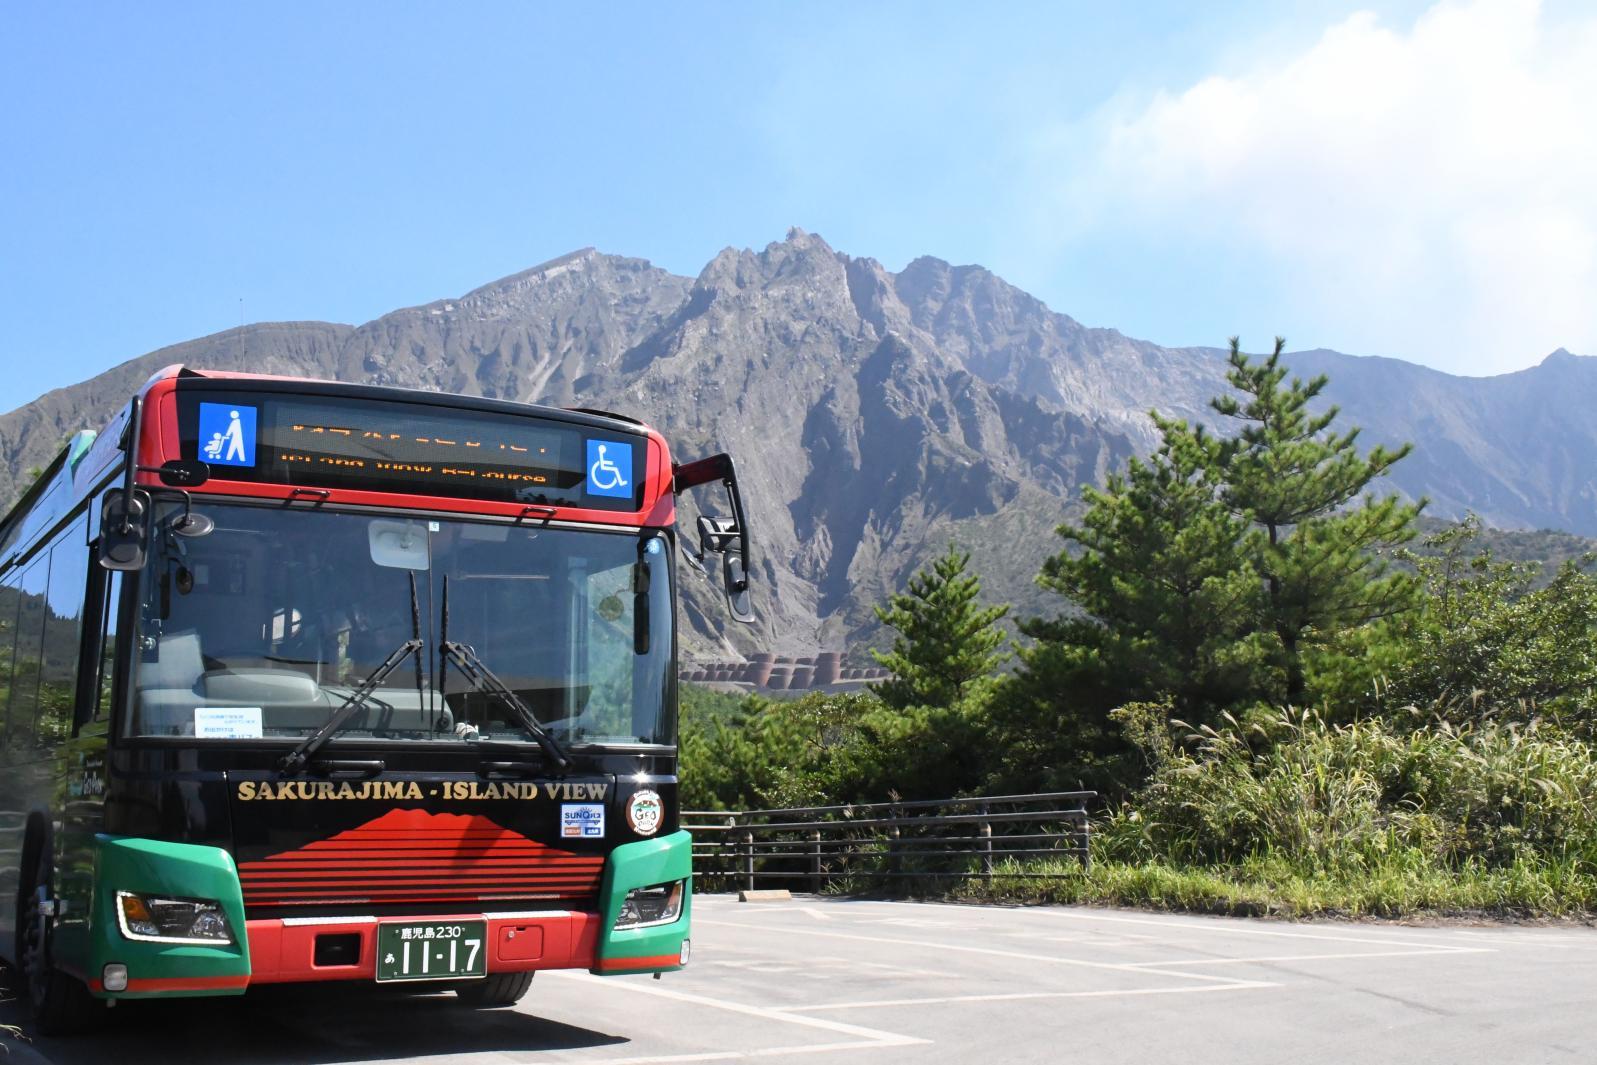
point(259, 622)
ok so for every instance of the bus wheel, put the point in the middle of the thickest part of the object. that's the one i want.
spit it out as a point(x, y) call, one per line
point(61, 1005)
point(500, 989)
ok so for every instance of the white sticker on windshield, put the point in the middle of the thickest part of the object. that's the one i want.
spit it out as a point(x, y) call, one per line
point(228, 722)
point(582, 820)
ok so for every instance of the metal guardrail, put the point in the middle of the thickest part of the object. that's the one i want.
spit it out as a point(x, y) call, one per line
point(892, 842)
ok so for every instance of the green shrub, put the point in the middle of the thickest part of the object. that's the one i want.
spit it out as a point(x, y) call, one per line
point(1340, 798)
point(1401, 884)
point(1492, 640)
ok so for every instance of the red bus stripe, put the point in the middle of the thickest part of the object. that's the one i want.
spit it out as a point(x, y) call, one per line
point(180, 983)
point(416, 858)
point(376, 884)
point(657, 961)
point(424, 869)
point(506, 896)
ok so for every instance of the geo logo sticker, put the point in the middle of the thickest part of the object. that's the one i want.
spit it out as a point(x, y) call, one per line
point(609, 469)
point(645, 812)
point(582, 820)
point(227, 434)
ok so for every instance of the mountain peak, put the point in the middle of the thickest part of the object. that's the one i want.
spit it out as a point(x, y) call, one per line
point(803, 241)
point(544, 270)
point(876, 415)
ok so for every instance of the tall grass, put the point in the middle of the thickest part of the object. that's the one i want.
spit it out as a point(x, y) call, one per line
point(1404, 886)
point(1286, 814)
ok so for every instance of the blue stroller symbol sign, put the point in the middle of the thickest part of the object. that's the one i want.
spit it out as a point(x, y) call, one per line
point(609, 469)
point(227, 434)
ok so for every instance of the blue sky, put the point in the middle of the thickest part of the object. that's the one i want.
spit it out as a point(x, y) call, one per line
point(1414, 180)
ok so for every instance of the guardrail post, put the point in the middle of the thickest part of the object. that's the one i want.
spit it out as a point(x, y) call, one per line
point(748, 857)
point(816, 878)
point(985, 830)
point(726, 860)
point(1086, 841)
point(894, 832)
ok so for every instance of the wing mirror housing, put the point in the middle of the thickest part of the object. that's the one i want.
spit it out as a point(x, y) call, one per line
point(716, 535)
point(182, 473)
point(125, 512)
point(735, 578)
point(727, 537)
point(124, 529)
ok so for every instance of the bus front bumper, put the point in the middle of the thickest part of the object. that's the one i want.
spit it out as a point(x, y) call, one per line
point(285, 950)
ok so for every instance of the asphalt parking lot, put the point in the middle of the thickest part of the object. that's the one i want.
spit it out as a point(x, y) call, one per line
point(828, 980)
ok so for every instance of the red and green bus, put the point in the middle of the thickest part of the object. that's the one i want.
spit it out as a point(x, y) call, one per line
point(306, 681)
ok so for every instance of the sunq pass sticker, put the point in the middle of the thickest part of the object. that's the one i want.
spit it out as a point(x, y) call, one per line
point(582, 820)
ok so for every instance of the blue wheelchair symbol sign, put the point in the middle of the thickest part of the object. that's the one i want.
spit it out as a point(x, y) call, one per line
point(227, 434)
point(609, 469)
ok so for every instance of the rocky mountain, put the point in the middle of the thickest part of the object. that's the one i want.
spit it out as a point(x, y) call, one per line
point(875, 415)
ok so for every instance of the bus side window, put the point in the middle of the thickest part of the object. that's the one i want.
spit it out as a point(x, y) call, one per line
point(30, 651)
point(105, 668)
point(62, 639)
point(10, 603)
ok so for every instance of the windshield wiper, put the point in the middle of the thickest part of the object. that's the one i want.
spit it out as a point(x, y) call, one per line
point(300, 756)
point(295, 760)
point(483, 679)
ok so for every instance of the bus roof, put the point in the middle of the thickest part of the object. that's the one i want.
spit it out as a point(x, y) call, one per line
point(83, 465)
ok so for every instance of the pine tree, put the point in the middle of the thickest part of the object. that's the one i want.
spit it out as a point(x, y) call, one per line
point(1198, 579)
point(946, 640)
point(1168, 595)
point(1318, 556)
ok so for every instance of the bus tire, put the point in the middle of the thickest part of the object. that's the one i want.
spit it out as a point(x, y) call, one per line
point(61, 1005)
point(500, 989)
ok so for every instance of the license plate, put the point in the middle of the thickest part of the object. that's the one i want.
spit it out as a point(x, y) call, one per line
point(435, 950)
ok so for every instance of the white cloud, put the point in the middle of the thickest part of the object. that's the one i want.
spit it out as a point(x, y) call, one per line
point(1428, 191)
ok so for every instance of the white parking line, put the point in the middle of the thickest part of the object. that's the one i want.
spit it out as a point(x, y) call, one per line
point(1555, 941)
point(1051, 959)
point(1236, 930)
point(1227, 926)
point(865, 1038)
point(741, 1055)
point(1240, 985)
point(1428, 953)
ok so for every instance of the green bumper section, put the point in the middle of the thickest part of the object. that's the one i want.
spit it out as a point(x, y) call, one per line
point(151, 867)
point(634, 865)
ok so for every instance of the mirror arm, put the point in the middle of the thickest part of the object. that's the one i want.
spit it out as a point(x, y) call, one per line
point(188, 501)
point(688, 475)
point(130, 448)
point(716, 533)
point(736, 499)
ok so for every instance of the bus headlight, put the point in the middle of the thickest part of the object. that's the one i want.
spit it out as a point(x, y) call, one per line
point(646, 906)
point(157, 919)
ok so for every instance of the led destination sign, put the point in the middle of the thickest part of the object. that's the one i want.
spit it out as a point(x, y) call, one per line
point(378, 445)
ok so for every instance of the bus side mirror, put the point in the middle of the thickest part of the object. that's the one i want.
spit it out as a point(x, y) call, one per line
point(727, 537)
point(124, 530)
point(183, 473)
point(724, 537)
point(736, 579)
point(716, 535)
